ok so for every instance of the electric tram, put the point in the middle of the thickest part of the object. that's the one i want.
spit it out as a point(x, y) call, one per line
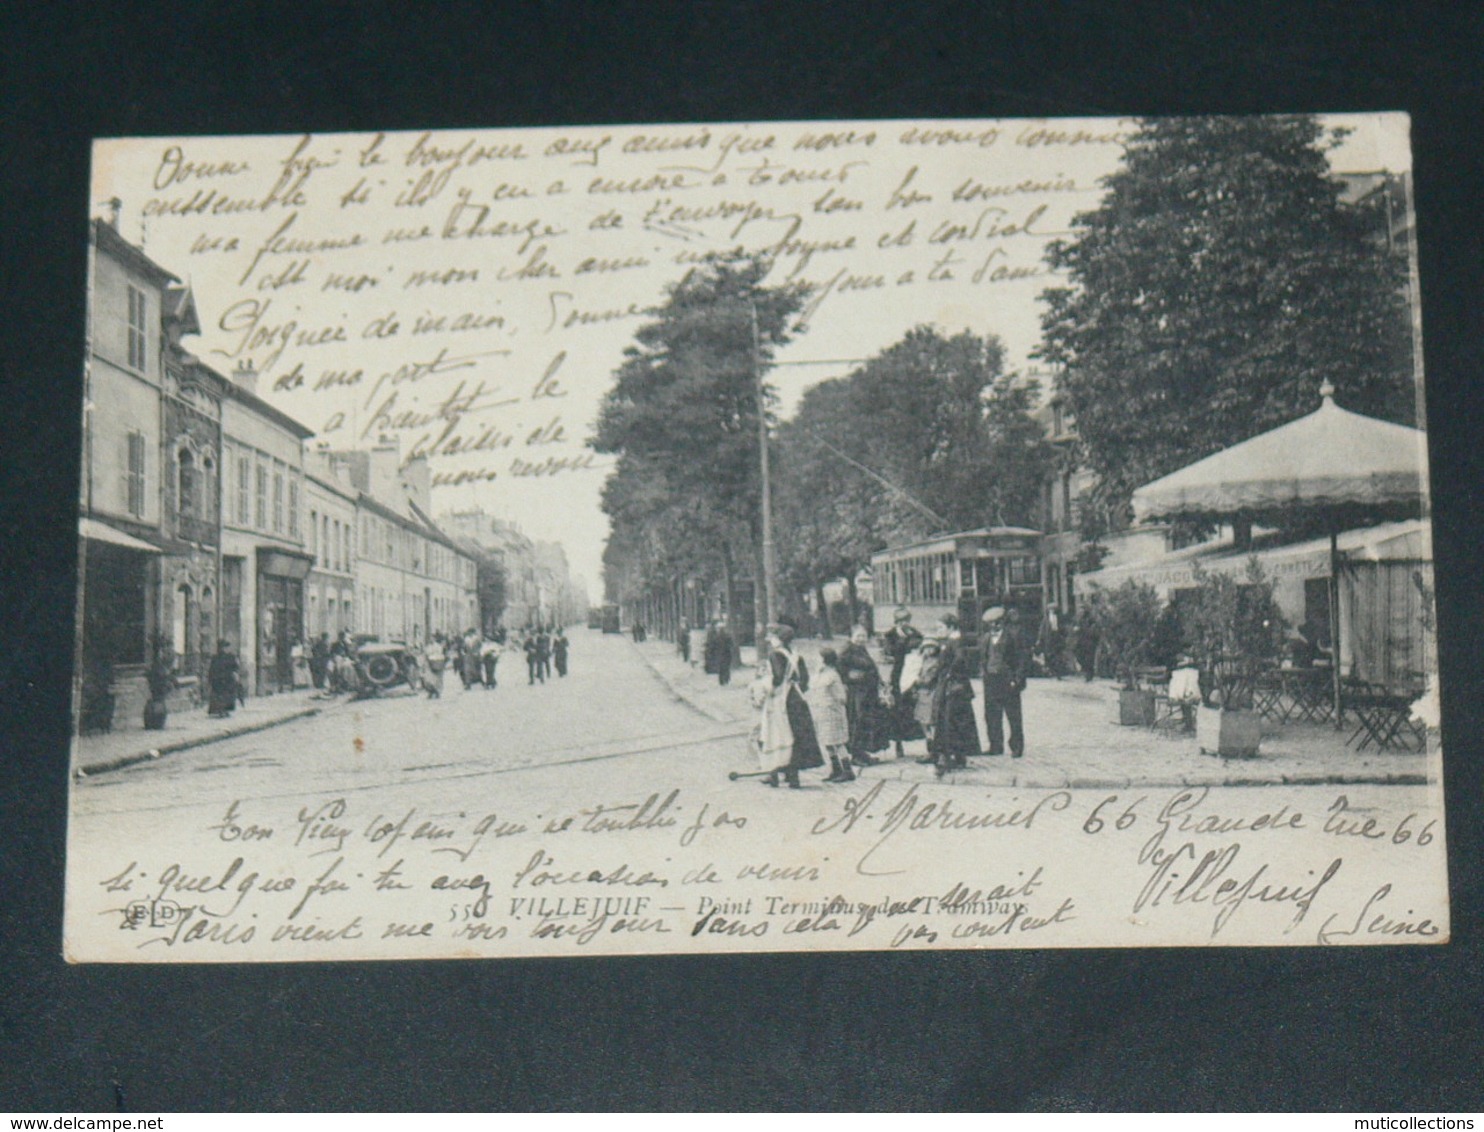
point(962, 573)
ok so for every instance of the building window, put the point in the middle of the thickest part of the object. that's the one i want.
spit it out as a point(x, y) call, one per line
point(293, 508)
point(260, 498)
point(278, 497)
point(138, 329)
point(134, 475)
point(313, 533)
point(187, 484)
point(345, 546)
point(208, 489)
point(244, 488)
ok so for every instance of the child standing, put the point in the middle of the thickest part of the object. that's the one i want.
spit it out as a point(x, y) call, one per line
point(827, 705)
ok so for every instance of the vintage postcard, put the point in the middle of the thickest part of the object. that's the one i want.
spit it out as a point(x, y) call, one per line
point(755, 537)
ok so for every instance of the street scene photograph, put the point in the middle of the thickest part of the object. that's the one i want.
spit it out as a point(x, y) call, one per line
point(748, 537)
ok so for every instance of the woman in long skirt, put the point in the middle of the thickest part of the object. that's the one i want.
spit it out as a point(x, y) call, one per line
point(221, 681)
point(827, 703)
point(863, 708)
point(789, 744)
point(955, 733)
point(900, 642)
point(434, 661)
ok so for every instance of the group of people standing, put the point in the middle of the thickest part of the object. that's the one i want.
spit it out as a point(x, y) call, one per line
point(543, 647)
point(846, 716)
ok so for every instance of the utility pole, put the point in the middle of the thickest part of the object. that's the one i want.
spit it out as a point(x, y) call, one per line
point(769, 610)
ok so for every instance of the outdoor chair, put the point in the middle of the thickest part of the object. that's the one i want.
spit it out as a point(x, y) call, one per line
point(1269, 696)
point(1382, 716)
point(1175, 703)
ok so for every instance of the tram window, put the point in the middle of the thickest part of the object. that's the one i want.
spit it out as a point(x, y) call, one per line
point(1024, 572)
point(988, 583)
point(966, 576)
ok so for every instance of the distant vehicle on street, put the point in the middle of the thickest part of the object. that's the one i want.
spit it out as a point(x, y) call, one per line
point(609, 619)
point(382, 666)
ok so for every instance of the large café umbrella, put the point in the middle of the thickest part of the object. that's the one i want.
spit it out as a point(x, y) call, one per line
point(1335, 465)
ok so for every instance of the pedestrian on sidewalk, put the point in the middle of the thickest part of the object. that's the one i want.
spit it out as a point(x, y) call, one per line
point(486, 660)
point(901, 641)
point(543, 654)
point(222, 678)
point(161, 680)
point(722, 646)
point(559, 646)
point(955, 736)
point(434, 661)
point(533, 662)
point(863, 708)
point(827, 700)
point(682, 640)
point(299, 664)
point(319, 659)
point(470, 661)
point(789, 744)
point(1004, 662)
point(1087, 644)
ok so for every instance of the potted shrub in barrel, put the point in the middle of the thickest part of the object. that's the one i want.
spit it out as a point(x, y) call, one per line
point(1125, 619)
point(1232, 627)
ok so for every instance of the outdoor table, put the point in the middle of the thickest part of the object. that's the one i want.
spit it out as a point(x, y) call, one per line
point(1303, 693)
point(1383, 717)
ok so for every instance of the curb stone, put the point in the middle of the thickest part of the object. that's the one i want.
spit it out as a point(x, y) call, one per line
point(93, 769)
point(682, 695)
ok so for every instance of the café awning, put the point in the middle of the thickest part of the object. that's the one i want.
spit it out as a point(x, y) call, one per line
point(98, 531)
point(1332, 461)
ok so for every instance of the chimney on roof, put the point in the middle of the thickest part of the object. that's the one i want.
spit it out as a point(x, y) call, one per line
point(115, 207)
point(245, 377)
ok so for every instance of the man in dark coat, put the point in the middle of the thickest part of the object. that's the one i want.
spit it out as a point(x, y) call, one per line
point(559, 646)
point(724, 645)
point(543, 655)
point(708, 650)
point(533, 663)
point(1004, 662)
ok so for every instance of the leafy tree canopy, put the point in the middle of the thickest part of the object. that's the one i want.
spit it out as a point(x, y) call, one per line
point(929, 435)
point(1219, 283)
point(682, 417)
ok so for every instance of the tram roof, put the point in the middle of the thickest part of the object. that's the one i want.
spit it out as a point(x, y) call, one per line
point(952, 540)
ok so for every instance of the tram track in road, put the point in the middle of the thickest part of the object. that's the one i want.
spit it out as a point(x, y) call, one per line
point(474, 769)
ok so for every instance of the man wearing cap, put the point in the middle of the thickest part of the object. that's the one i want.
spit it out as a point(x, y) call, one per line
point(1003, 665)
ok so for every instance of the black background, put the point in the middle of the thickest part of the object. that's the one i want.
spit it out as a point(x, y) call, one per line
point(1390, 1029)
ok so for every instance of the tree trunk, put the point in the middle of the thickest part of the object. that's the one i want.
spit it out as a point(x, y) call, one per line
point(852, 599)
point(824, 612)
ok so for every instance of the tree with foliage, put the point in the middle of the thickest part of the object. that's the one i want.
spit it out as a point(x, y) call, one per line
point(929, 435)
point(682, 416)
point(1219, 283)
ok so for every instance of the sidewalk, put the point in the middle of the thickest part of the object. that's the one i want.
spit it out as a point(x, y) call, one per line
point(690, 683)
point(1073, 740)
point(98, 754)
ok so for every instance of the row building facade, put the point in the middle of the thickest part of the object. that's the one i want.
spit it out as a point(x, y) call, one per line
point(206, 514)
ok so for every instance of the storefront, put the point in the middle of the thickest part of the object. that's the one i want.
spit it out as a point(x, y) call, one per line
point(280, 615)
point(1385, 588)
point(117, 610)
